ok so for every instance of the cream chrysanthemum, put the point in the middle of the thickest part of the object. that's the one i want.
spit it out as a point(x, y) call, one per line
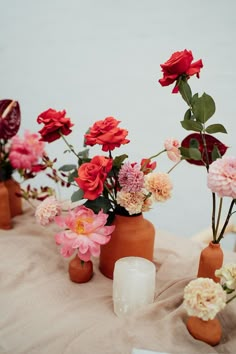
point(228, 275)
point(160, 185)
point(47, 210)
point(204, 298)
point(132, 202)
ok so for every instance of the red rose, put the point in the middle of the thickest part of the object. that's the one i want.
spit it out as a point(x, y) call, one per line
point(55, 123)
point(106, 133)
point(210, 142)
point(180, 63)
point(92, 176)
point(10, 118)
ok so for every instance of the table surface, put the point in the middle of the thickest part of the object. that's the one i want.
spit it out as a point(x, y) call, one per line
point(42, 311)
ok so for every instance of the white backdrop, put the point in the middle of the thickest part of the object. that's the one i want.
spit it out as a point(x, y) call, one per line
point(99, 58)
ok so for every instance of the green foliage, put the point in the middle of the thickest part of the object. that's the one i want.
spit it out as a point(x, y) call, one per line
point(190, 153)
point(67, 168)
point(77, 195)
point(203, 108)
point(215, 128)
point(192, 125)
point(98, 204)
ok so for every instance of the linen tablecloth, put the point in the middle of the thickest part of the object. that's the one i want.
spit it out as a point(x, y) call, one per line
point(43, 312)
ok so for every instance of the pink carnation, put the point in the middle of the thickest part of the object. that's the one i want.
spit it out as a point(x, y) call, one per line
point(222, 177)
point(172, 149)
point(47, 210)
point(130, 177)
point(84, 232)
point(25, 153)
point(160, 185)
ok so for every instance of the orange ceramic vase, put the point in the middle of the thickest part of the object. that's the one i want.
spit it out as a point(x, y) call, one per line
point(79, 271)
point(10, 203)
point(133, 236)
point(211, 258)
point(209, 331)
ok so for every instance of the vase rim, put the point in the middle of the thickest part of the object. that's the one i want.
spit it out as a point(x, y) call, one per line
point(212, 244)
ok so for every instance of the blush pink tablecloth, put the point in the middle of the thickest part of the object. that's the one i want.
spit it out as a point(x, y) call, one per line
point(43, 312)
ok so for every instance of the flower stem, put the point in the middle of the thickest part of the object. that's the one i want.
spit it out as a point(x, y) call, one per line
point(233, 297)
point(219, 215)
point(226, 221)
point(174, 166)
point(69, 146)
point(159, 153)
point(213, 216)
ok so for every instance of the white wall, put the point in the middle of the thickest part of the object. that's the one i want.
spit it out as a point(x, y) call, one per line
point(97, 58)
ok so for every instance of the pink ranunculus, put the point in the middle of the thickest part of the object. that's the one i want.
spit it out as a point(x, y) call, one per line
point(84, 232)
point(172, 148)
point(25, 153)
point(221, 178)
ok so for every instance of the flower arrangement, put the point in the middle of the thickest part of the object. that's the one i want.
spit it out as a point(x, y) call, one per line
point(25, 155)
point(106, 185)
point(205, 298)
point(201, 147)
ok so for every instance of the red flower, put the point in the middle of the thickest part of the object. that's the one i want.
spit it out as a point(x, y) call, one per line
point(180, 63)
point(92, 175)
point(210, 142)
point(55, 123)
point(147, 166)
point(10, 118)
point(106, 133)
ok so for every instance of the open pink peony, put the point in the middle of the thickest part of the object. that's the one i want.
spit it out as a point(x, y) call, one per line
point(84, 232)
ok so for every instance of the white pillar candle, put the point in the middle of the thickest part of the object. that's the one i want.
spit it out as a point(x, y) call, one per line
point(133, 284)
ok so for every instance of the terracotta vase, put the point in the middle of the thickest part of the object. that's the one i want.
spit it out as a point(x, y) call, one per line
point(209, 331)
point(133, 236)
point(5, 213)
point(15, 201)
point(10, 203)
point(211, 258)
point(79, 271)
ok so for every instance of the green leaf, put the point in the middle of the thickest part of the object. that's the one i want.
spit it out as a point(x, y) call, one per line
point(215, 154)
point(98, 204)
point(216, 128)
point(192, 125)
point(84, 154)
point(190, 153)
point(194, 143)
point(188, 114)
point(67, 168)
point(119, 159)
point(77, 195)
point(72, 176)
point(203, 108)
point(185, 91)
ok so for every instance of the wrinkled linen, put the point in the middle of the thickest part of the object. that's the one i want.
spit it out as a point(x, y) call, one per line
point(43, 312)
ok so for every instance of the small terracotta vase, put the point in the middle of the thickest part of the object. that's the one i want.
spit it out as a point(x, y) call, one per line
point(211, 258)
point(15, 201)
point(209, 331)
point(5, 213)
point(133, 236)
point(10, 203)
point(79, 271)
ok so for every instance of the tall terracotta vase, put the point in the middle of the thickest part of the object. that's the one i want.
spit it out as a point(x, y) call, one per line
point(79, 271)
point(209, 331)
point(211, 258)
point(10, 203)
point(133, 236)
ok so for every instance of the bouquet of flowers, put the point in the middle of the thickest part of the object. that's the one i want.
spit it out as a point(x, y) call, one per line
point(25, 155)
point(106, 184)
point(201, 147)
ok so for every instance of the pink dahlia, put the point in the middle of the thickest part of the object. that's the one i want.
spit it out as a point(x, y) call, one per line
point(47, 210)
point(160, 185)
point(130, 177)
point(222, 177)
point(84, 232)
